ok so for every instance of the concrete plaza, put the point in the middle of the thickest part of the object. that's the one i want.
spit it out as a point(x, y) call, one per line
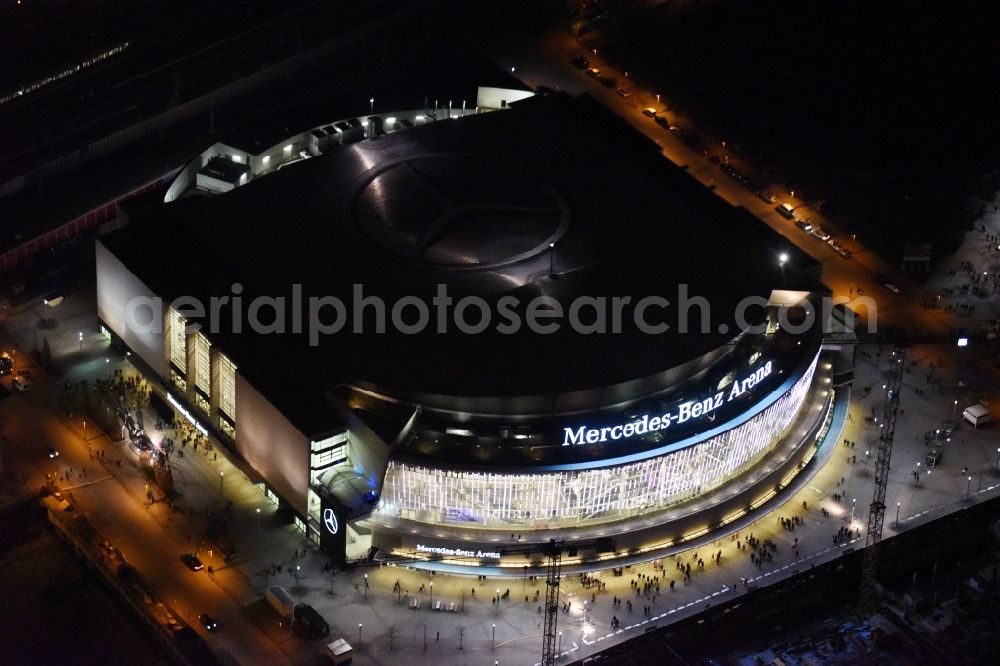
point(362, 606)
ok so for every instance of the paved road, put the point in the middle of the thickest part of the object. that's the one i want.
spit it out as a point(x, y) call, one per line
point(114, 505)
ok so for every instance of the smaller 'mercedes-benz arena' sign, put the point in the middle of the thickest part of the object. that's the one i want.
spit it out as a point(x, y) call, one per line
point(684, 413)
point(458, 552)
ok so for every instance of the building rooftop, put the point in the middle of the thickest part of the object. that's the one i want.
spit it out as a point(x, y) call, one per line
point(473, 204)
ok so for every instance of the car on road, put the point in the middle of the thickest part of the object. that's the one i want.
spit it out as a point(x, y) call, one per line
point(608, 82)
point(192, 562)
point(21, 383)
point(580, 62)
point(887, 282)
point(649, 111)
point(786, 210)
point(622, 92)
point(52, 452)
point(662, 122)
point(820, 233)
point(804, 225)
point(845, 253)
point(733, 173)
point(837, 247)
point(593, 72)
point(766, 197)
point(208, 622)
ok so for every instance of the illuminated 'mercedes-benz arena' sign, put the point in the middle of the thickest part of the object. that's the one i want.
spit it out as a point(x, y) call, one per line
point(685, 412)
point(458, 552)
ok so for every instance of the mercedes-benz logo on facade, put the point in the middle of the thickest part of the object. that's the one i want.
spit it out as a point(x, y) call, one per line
point(456, 211)
point(330, 521)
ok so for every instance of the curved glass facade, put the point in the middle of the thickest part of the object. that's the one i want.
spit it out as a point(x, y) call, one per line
point(564, 499)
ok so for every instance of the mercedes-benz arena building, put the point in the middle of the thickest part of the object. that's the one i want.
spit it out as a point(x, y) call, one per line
point(609, 349)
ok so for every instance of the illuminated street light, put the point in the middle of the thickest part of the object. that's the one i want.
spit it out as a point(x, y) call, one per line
point(782, 258)
point(552, 259)
point(221, 478)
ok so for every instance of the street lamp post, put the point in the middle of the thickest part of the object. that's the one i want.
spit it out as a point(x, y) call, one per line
point(493, 642)
point(366, 588)
point(371, 114)
point(431, 587)
point(897, 515)
point(854, 502)
point(359, 633)
point(559, 649)
point(552, 258)
point(258, 519)
point(222, 476)
point(968, 489)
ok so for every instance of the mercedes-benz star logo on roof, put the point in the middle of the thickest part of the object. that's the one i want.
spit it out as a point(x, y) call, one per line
point(457, 211)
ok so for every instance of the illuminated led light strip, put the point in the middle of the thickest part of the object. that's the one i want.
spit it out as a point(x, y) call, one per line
point(186, 414)
point(20, 92)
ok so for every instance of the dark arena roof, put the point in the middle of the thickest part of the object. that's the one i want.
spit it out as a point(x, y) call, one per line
point(474, 204)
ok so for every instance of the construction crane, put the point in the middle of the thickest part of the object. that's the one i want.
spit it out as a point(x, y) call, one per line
point(868, 598)
point(553, 574)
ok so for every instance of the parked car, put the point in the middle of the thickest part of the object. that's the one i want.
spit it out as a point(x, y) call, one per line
point(786, 210)
point(804, 225)
point(766, 197)
point(662, 122)
point(21, 383)
point(845, 253)
point(622, 92)
point(649, 111)
point(608, 82)
point(593, 72)
point(580, 62)
point(820, 233)
point(52, 452)
point(208, 622)
point(192, 562)
point(837, 247)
